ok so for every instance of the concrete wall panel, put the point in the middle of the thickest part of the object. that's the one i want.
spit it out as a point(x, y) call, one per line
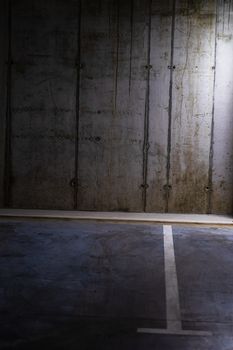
point(44, 50)
point(192, 103)
point(113, 87)
point(3, 93)
point(160, 60)
point(222, 183)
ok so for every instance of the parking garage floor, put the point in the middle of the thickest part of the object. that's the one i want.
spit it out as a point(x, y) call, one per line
point(68, 284)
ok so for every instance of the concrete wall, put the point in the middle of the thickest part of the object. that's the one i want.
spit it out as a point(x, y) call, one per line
point(4, 114)
point(120, 105)
point(192, 105)
point(43, 103)
point(222, 164)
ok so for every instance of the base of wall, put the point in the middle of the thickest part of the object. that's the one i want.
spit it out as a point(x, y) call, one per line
point(120, 216)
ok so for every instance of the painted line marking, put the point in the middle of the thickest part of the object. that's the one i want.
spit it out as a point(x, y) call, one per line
point(174, 332)
point(172, 292)
point(173, 314)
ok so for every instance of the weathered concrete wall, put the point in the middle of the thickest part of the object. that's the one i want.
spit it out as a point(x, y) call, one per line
point(222, 167)
point(113, 89)
point(3, 92)
point(121, 105)
point(43, 103)
point(192, 104)
point(162, 14)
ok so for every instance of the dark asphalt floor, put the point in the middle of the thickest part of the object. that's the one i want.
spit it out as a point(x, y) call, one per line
point(67, 284)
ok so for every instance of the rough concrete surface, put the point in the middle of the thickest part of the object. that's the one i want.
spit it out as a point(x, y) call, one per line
point(87, 285)
point(117, 105)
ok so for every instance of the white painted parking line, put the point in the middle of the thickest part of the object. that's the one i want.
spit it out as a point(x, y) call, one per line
point(172, 293)
point(173, 314)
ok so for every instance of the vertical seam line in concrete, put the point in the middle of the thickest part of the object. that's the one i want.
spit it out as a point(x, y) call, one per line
point(131, 43)
point(7, 162)
point(117, 58)
point(147, 112)
point(211, 152)
point(77, 119)
point(168, 165)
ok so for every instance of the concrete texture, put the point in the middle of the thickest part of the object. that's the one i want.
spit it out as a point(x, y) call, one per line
point(112, 125)
point(119, 216)
point(192, 103)
point(205, 273)
point(4, 112)
point(222, 183)
point(43, 103)
point(69, 285)
point(162, 17)
point(117, 105)
point(52, 271)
